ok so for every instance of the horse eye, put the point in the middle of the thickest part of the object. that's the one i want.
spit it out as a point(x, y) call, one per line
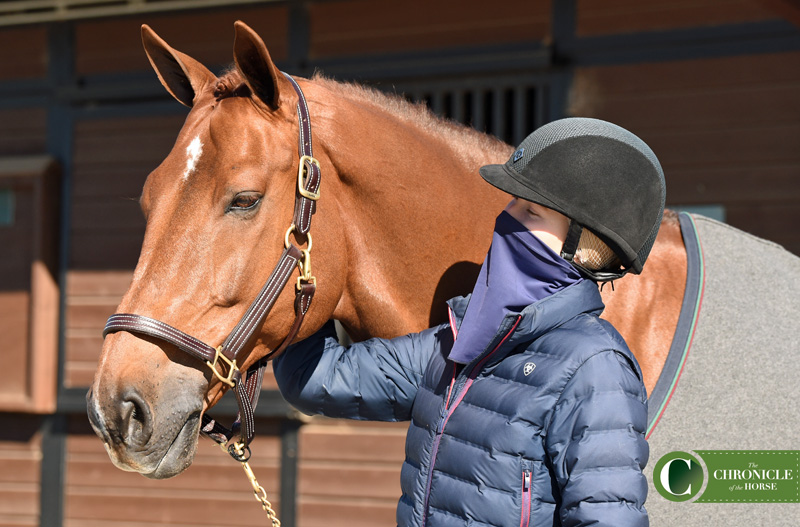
point(245, 201)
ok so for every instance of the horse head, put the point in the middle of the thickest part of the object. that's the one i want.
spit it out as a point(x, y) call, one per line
point(217, 212)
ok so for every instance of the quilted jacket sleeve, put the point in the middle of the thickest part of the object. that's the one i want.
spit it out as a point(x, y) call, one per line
point(372, 380)
point(597, 447)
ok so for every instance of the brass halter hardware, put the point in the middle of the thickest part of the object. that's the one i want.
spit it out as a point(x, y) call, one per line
point(232, 368)
point(304, 263)
point(302, 172)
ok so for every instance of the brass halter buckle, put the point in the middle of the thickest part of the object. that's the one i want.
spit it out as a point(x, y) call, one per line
point(232, 368)
point(304, 264)
point(301, 174)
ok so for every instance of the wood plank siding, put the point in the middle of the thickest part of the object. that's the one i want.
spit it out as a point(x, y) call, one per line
point(109, 46)
point(23, 53)
point(23, 131)
point(20, 459)
point(210, 492)
point(349, 473)
point(615, 17)
point(357, 27)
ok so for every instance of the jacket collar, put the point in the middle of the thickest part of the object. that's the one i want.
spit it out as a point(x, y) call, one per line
point(539, 317)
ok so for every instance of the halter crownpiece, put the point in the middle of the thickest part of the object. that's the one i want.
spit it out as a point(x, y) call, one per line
point(222, 360)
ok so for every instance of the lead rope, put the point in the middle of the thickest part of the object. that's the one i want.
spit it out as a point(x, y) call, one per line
point(242, 455)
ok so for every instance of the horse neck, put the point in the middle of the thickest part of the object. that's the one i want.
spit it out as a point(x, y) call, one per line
point(404, 185)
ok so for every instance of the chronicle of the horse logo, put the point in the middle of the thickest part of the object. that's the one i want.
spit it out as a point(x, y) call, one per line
point(528, 369)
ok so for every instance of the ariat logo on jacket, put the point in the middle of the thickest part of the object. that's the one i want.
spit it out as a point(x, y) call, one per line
point(528, 369)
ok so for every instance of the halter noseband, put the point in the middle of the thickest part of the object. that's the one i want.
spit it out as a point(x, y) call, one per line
point(248, 386)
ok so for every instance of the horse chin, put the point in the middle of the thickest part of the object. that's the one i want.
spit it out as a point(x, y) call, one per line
point(180, 453)
point(152, 463)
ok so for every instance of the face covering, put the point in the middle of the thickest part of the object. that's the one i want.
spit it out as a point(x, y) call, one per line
point(519, 270)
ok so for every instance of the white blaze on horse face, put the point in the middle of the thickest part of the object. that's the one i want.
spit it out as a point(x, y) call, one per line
point(193, 153)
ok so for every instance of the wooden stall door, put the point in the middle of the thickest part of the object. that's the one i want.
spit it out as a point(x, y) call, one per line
point(28, 290)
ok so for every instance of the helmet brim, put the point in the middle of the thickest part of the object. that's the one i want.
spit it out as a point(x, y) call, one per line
point(508, 180)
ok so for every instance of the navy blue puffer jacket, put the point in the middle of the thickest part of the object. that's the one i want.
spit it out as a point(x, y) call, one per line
point(545, 427)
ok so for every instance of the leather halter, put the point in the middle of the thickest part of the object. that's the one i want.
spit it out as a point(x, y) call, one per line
point(247, 386)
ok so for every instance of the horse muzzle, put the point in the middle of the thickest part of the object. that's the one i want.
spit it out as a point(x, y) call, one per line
point(158, 441)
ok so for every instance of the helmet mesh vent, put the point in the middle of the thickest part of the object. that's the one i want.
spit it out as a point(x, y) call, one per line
point(593, 254)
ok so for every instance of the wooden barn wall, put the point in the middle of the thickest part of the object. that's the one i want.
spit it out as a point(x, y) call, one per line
point(349, 473)
point(112, 158)
point(23, 130)
point(616, 17)
point(113, 46)
point(725, 129)
point(210, 492)
point(356, 27)
point(20, 469)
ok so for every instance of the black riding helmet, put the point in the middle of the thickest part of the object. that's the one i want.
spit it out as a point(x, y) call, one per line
point(599, 175)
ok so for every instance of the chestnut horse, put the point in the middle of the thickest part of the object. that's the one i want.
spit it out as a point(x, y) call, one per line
point(402, 224)
point(402, 221)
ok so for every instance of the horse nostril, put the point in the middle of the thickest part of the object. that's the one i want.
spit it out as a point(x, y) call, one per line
point(94, 416)
point(137, 423)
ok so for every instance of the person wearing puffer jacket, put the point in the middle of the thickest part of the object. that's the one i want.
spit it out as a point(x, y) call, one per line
point(527, 408)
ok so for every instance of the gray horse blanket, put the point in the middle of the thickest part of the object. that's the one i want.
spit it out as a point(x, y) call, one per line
point(738, 389)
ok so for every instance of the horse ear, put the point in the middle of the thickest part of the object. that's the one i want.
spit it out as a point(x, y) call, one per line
point(181, 75)
point(253, 61)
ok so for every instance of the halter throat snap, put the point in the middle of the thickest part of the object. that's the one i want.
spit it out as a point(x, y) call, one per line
point(222, 359)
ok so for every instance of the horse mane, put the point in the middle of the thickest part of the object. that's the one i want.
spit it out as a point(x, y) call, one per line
point(467, 142)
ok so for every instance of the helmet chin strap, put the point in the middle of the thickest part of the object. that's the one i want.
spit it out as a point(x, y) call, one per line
point(569, 249)
point(571, 241)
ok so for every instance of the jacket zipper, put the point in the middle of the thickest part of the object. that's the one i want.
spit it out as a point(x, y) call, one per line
point(525, 520)
point(447, 413)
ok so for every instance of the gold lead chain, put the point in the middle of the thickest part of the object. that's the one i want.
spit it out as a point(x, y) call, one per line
point(258, 490)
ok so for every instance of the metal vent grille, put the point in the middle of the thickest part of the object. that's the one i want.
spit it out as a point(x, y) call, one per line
point(509, 108)
point(15, 12)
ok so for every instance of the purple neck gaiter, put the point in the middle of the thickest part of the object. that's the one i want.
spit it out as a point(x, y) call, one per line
point(519, 270)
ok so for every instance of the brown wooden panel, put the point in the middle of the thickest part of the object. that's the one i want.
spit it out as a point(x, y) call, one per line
point(363, 26)
point(91, 297)
point(20, 469)
point(98, 283)
point(112, 160)
point(352, 470)
point(89, 316)
point(105, 250)
point(14, 325)
point(28, 292)
point(348, 442)
point(336, 512)
point(343, 480)
point(24, 131)
point(115, 45)
point(630, 16)
point(646, 79)
point(97, 493)
point(757, 183)
point(17, 239)
point(770, 104)
point(23, 53)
